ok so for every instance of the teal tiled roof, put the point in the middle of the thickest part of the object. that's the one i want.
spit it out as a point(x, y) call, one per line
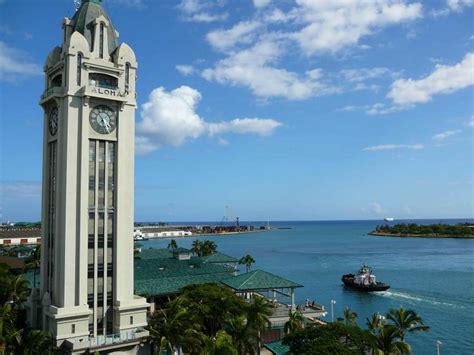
point(158, 273)
point(277, 348)
point(154, 254)
point(173, 285)
point(182, 251)
point(219, 258)
point(258, 280)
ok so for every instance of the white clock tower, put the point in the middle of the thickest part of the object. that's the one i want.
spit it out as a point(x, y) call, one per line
point(86, 300)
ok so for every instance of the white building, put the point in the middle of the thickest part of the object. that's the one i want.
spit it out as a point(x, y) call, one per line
point(150, 233)
point(86, 300)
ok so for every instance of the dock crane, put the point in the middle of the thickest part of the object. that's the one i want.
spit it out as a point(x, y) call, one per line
point(231, 217)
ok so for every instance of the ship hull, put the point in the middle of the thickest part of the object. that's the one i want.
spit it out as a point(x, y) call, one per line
point(348, 281)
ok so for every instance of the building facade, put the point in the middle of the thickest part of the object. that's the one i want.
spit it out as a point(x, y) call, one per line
point(86, 300)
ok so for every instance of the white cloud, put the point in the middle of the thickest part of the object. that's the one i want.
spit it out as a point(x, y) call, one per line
point(458, 5)
point(185, 69)
point(253, 68)
point(444, 79)
point(243, 32)
point(330, 26)
point(377, 148)
point(222, 141)
point(446, 134)
point(377, 208)
point(170, 118)
point(260, 126)
point(15, 64)
point(200, 11)
point(261, 3)
point(131, 3)
point(471, 122)
point(363, 74)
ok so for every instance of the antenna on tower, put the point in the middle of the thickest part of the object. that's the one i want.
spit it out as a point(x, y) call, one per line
point(77, 4)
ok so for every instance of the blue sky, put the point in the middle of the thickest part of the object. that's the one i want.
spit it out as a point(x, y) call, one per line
point(283, 110)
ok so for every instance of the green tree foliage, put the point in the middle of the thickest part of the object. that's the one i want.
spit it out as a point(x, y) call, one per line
point(388, 341)
point(242, 334)
point(175, 327)
point(222, 344)
point(197, 247)
point(406, 320)
point(295, 322)
point(247, 260)
point(331, 338)
point(208, 248)
point(15, 337)
point(172, 245)
point(259, 312)
point(350, 317)
point(458, 230)
point(213, 305)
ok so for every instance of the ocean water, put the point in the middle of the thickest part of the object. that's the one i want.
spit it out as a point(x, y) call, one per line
point(435, 277)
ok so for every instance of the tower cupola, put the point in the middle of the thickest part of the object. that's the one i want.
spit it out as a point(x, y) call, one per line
point(93, 22)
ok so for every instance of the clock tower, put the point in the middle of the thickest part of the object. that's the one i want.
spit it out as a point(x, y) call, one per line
point(86, 299)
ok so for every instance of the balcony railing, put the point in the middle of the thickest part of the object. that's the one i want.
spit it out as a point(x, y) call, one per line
point(52, 91)
point(108, 340)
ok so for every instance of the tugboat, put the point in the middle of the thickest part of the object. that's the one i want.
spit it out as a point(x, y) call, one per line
point(364, 281)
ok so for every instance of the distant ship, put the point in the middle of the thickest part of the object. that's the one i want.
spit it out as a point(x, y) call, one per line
point(389, 219)
point(364, 281)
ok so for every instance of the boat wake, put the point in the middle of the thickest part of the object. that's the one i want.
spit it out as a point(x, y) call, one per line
point(414, 299)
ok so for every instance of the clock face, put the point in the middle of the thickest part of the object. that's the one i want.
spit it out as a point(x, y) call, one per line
point(53, 121)
point(102, 119)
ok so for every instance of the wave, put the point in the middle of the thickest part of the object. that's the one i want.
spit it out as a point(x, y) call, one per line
point(416, 298)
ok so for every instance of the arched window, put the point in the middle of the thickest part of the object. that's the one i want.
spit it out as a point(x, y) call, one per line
point(101, 41)
point(57, 81)
point(79, 68)
point(103, 81)
point(127, 76)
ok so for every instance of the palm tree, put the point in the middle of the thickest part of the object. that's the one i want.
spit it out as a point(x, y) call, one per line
point(173, 245)
point(247, 260)
point(197, 247)
point(388, 341)
point(34, 342)
point(16, 289)
point(257, 316)
point(406, 321)
point(241, 333)
point(295, 322)
point(350, 317)
point(175, 327)
point(208, 248)
point(8, 331)
point(374, 323)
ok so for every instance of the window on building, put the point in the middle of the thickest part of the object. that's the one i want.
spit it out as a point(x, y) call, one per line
point(127, 76)
point(103, 81)
point(79, 68)
point(101, 41)
point(73, 328)
point(131, 319)
point(57, 81)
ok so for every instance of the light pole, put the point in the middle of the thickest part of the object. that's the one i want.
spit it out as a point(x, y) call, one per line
point(333, 302)
point(438, 346)
point(381, 319)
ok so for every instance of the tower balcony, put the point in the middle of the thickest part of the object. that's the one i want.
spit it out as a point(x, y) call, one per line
point(107, 342)
point(52, 92)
